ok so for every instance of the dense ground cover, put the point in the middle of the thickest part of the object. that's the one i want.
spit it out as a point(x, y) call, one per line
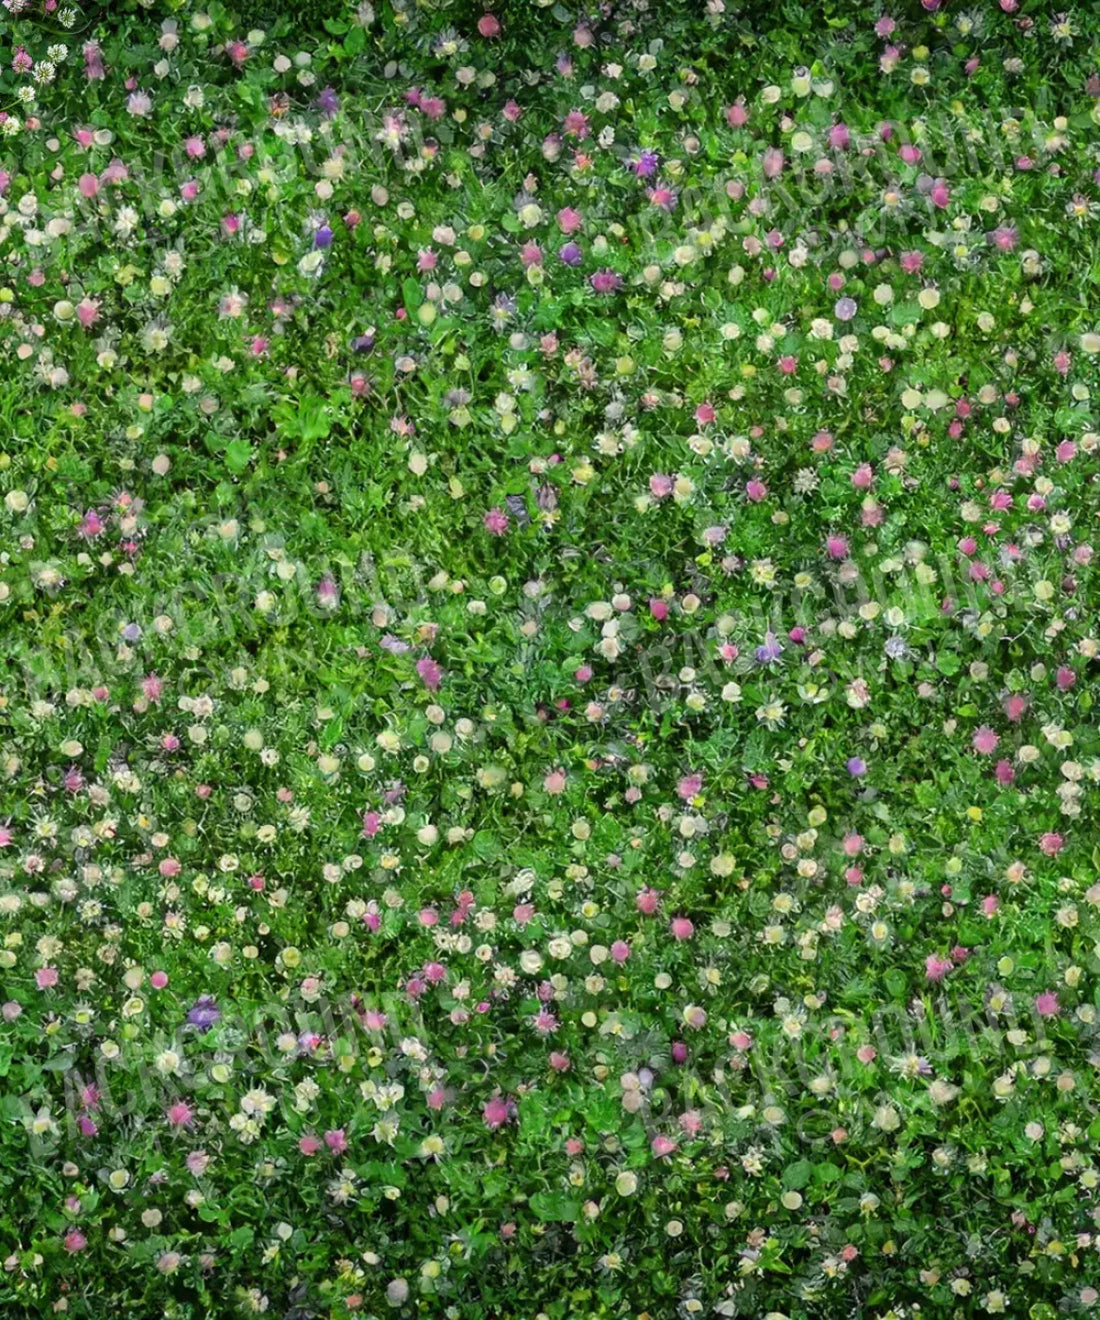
point(547, 751)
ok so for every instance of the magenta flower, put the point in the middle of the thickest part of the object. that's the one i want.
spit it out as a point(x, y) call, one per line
point(1014, 708)
point(647, 902)
point(496, 1112)
point(936, 968)
point(1046, 1004)
point(606, 281)
point(180, 1114)
point(496, 521)
point(575, 125)
point(430, 673)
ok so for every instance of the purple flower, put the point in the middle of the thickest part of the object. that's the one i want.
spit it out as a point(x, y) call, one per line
point(845, 309)
point(132, 632)
point(857, 766)
point(770, 651)
point(328, 102)
point(605, 281)
point(644, 164)
point(363, 343)
point(323, 237)
point(393, 644)
point(204, 1013)
point(431, 674)
point(571, 254)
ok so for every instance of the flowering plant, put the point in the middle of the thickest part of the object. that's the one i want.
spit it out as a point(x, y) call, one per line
point(549, 642)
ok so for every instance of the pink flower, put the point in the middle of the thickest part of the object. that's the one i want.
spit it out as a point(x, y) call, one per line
point(837, 547)
point(990, 905)
point(554, 783)
point(737, 116)
point(1046, 1004)
point(74, 1241)
point(180, 1114)
point(1051, 844)
point(689, 786)
point(569, 221)
point(681, 928)
point(488, 25)
point(309, 1145)
point(647, 902)
point(936, 968)
point(662, 1146)
point(1065, 678)
point(620, 951)
point(429, 672)
point(496, 1112)
point(372, 823)
point(336, 1141)
point(756, 490)
point(46, 977)
point(93, 62)
point(839, 137)
point(985, 740)
point(660, 485)
point(1014, 707)
point(605, 281)
point(197, 1163)
point(575, 125)
point(496, 522)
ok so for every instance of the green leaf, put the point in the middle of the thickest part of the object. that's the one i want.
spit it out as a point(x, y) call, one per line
point(410, 292)
point(238, 455)
point(797, 1175)
point(555, 1207)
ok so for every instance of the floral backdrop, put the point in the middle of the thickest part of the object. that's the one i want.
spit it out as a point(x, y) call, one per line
point(549, 637)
